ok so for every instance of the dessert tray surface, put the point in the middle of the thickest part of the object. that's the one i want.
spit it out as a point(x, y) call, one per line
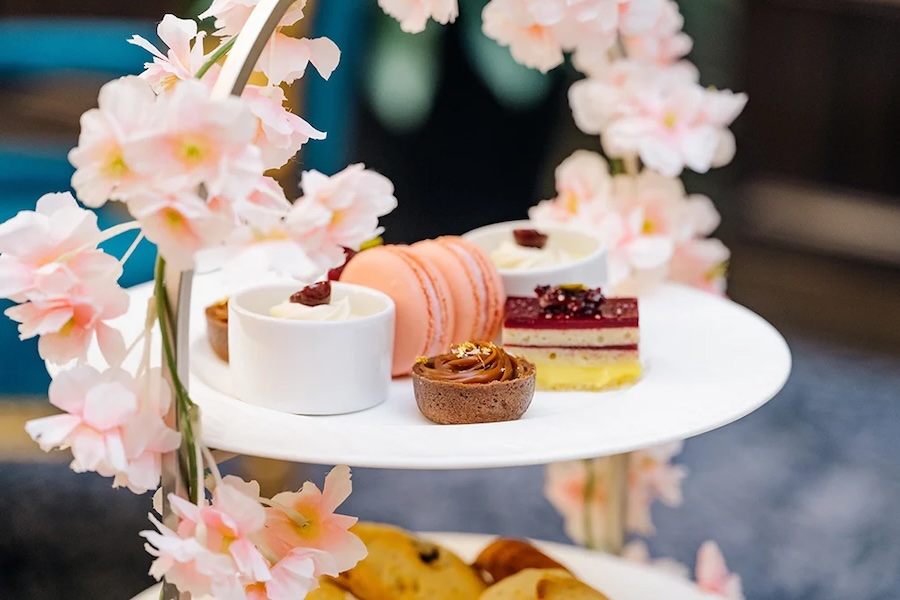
point(616, 577)
point(707, 362)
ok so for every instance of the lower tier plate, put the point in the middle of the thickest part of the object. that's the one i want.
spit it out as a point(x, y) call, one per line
point(707, 362)
point(617, 578)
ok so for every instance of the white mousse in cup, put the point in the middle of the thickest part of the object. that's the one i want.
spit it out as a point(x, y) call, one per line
point(322, 350)
point(528, 255)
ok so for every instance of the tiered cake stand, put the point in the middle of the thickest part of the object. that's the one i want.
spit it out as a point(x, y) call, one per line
point(707, 362)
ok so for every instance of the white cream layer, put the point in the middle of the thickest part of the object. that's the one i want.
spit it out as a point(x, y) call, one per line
point(339, 310)
point(510, 255)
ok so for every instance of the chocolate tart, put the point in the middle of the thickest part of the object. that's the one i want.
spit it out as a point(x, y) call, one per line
point(217, 328)
point(476, 382)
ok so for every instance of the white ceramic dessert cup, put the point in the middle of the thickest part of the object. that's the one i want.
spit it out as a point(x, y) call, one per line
point(589, 269)
point(311, 367)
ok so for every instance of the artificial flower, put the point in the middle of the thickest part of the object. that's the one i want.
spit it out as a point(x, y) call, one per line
point(280, 133)
point(664, 43)
point(511, 23)
point(294, 576)
point(182, 224)
point(584, 191)
point(65, 287)
point(231, 15)
point(652, 477)
point(713, 576)
point(193, 140)
point(211, 551)
point(307, 519)
point(670, 128)
point(579, 491)
point(183, 58)
point(101, 172)
point(265, 207)
point(57, 229)
point(701, 263)
point(284, 58)
point(413, 15)
point(112, 423)
point(344, 208)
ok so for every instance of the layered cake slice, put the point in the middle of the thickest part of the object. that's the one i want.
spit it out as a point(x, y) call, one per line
point(576, 338)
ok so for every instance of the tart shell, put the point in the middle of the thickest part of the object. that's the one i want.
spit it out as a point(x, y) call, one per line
point(455, 403)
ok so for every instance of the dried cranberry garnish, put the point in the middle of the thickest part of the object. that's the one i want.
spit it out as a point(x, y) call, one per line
point(313, 295)
point(335, 273)
point(569, 300)
point(530, 238)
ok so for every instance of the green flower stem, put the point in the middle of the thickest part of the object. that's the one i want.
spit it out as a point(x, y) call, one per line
point(219, 52)
point(185, 410)
point(590, 483)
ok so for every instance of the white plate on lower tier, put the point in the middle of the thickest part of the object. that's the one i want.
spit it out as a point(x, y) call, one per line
point(707, 362)
point(615, 577)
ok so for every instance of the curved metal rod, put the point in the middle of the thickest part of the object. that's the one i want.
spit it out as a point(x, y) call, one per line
point(235, 73)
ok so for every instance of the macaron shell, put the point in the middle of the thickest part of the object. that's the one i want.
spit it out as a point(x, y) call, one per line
point(495, 297)
point(389, 271)
point(441, 309)
point(468, 300)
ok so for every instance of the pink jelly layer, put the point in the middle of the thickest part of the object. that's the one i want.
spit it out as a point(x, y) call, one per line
point(526, 313)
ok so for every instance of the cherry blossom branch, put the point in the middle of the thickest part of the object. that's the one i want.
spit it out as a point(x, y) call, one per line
point(185, 408)
point(219, 52)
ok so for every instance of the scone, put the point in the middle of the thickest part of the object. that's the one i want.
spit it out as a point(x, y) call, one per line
point(504, 557)
point(541, 584)
point(402, 567)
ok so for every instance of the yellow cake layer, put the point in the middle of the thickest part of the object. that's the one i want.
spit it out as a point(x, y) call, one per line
point(560, 376)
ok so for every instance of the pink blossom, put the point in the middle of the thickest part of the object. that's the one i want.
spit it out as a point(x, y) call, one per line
point(184, 56)
point(664, 43)
point(413, 15)
point(565, 488)
point(306, 519)
point(652, 477)
point(638, 16)
point(101, 171)
point(294, 576)
point(57, 229)
point(584, 191)
point(192, 140)
point(181, 225)
point(669, 127)
point(112, 423)
point(232, 15)
point(579, 491)
point(284, 59)
point(265, 207)
point(512, 23)
point(713, 575)
point(281, 133)
point(339, 211)
point(66, 288)
point(701, 263)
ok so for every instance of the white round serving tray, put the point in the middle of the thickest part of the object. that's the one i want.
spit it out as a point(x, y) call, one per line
point(615, 577)
point(708, 362)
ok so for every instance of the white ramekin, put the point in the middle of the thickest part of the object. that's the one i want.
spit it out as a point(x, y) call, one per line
point(311, 367)
point(590, 269)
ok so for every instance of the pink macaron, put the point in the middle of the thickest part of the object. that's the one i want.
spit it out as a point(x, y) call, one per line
point(475, 286)
point(425, 318)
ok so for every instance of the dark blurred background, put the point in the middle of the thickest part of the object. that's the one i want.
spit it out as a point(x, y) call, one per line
point(801, 495)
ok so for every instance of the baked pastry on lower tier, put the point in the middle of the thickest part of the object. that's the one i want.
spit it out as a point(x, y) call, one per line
point(476, 382)
point(217, 328)
point(577, 338)
point(542, 584)
point(401, 566)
